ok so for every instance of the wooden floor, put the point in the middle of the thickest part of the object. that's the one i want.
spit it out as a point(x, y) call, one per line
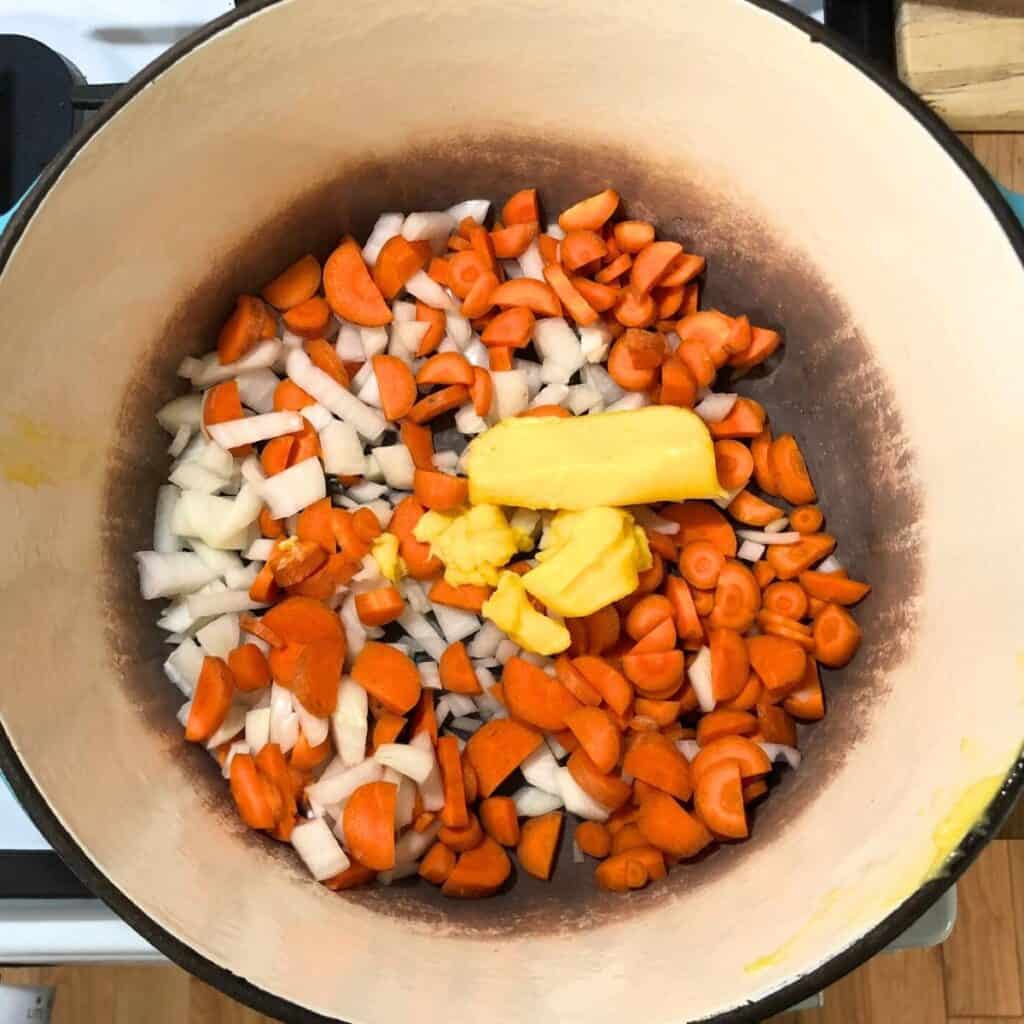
point(976, 977)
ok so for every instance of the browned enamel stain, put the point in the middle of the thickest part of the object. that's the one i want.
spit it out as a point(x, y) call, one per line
point(827, 388)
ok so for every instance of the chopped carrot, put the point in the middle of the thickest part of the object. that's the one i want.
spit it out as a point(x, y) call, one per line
point(497, 748)
point(222, 404)
point(257, 627)
point(651, 264)
point(446, 368)
point(379, 607)
point(369, 825)
point(615, 269)
point(779, 662)
point(753, 761)
point(325, 357)
point(836, 636)
point(694, 355)
point(614, 689)
point(775, 725)
point(711, 329)
point(351, 543)
point(833, 589)
point(701, 563)
point(661, 638)
point(764, 472)
point(350, 289)
point(580, 247)
point(389, 675)
point(438, 864)
point(656, 761)
point(538, 842)
point(575, 305)
point(651, 672)
point(678, 385)
point(625, 372)
point(511, 328)
point(763, 342)
point(264, 589)
point(535, 697)
point(806, 519)
point(289, 397)
point(318, 675)
point(730, 665)
point(499, 358)
point(210, 701)
point(750, 510)
point(598, 736)
point(572, 679)
point(293, 560)
point(602, 629)
point(521, 208)
point(699, 520)
point(607, 789)
point(271, 528)
point(746, 420)
point(478, 872)
point(763, 573)
point(352, 877)
point(420, 442)
point(416, 554)
point(718, 800)
point(600, 297)
point(787, 599)
point(807, 701)
point(436, 325)
point(424, 718)
point(634, 310)
point(685, 267)
point(242, 329)
point(512, 241)
point(308, 319)
point(737, 598)
point(469, 597)
point(457, 672)
point(397, 261)
point(670, 828)
point(535, 295)
point(315, 525)
point(791, 476)
point(249, 668)
point(634, 235)
point(548, 246)
point(304, 757)
point(366, 525)
point(439, 270)
point(687, 621)
point(440, 402)
point(591, 213)
point(789, 560)
point(664, 544)
point(296, 284)
point(725, 722)
point(733, 463)
point(621, 873)
point(255, 796)
point(307, 444)
point(464, 270)
point(661, 712)
point(387, 729)
point(593, 839)
point(499, 819)
point(396, 384)
point(454, 814)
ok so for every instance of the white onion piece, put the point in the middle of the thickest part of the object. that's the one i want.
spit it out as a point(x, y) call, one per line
point(476, 353)
point(714, 407)
point(540, 769)
point(830, 564)
point(652, 521)
point(402, 312)
point(233, 724)
point(672, 341)
point(531, 262)
point(291, 340)
point(595, 342)
point(349, 345)
point(419, 227)
point(445, 462)
point(396, 464)
point(210, 455)
point(220, 636)
point(688, 748)
point(555, 230)
point(456, 624)
point(186, 411)
point(184, 664)
point(348, 723)
point(577, 853)
point(167, 574)
point(442, 711)
point(341, 449)
point(460, 704)
point(777, 525)
point(777, 751)
point(766, 538)
point(183, 712)
point(458, 328)
point(189, 367)
point(165, 540)
point(319, 849)
point(485, 643)
point(260, 550)
point(552, 394)
point(700, 679)
point(317, 416)
point(428, 291)
point(374, 341)
point(727, 499)
point(555, 373)
point(581, 399)
point(315, 729)
point(238, 747)
point(284, 722)
point(369, 392)
point(257, 728)
point(295, 488)
point(629, 402)
point(598, 378)
point(577, 800)
point(259, 357)
point(343, 782)
point(386, 227)
point(556, 342)
point(430, 674)
point(355, 632)
point(402, 869)
point(191, 476)
point(328, 392)
point(511, 394)
point(414, 844)
point(410, 761)
point(202, 605)
point(217, 521)
point(556, 748)
point(405, 803)
point(414, 592)
point(423, 633)
point(256, 389)
point(431, 789)
point(366, 491)
point(506, 649)
point(749, 551)
point(180, 442)
point(475, 208)
point(486, 704)
point(468, 422)
point(532, 802)
point(222, 561)
point(406, 336)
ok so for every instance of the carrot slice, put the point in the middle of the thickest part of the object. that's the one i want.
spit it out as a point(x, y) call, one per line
point(625, 372)
point(308, 319)
point(580, 247)
point(789, 560)
point(467, 596)
point(221, 404)
point(416, 554)
point(512, 241)
point(255, 797)
point(590, 213)
point(396, 384)
point(242, 329)
point(779, 662)
point(420, 442)
point(464, 269)
point(775, 725)
point(725, 722)
point(479, 298)
point(787, 599)
point(608, 790)
point(651, 264)
point(634, 235)
point(833, 589)
point(718, 800)
point(497, 748)
point(257, 627)
point(438, 864)
point(701, 563)
point(464, 837)
point(807, 701)
point(289, 397)
point(446, 368)
point(656, 761)
point(621, 873)
point(751, 758)
point(763, 573)
point(746, 420)
point(575, 305)
point(806, 519)
point(730, 665)
point(593, 839)
point(749, 509)
point(210, 701)
point(685, 267)
point(763, 342)
point(615, 269)
point(457, 672)
point(306, 758)
point(293, 560)
point(737, 598)
point(702, 521)
point(836, 636)
point(369, 825)
point(572, 679)
point(670, 828)
point(478, 872)
point(397, 261)
point(646, 349)
point(352, 544)
point(600, 297)
point(499, 358)
point(535, 697)
point(734, 464)
point(424, 718)
point(656, 671)
point(793, 480)
point(535, 295)
point(350, 289)
point(678, 385)
point(598, 736)
point(685, 614)
point(661, 638)
point(694, 356)
point(294, 285)
point(538, 842)
point(354, 875)
point(387, 729)
point(379, 607)
point(602, 629)
point(612, 686)
point(764, 472)
point(711, 329)
point(521, 207)
point(389, 676)
point(315, 524)
point(249, 668)
point(318, 676)
point(440, 491)
point(454, 814)
point(512, 328)
point(263, 588)
point(439, 402)
point(271, 528)
point(500, 820)
point(634, 310)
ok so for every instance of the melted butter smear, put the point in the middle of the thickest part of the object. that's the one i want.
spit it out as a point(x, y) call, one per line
point(35, 456)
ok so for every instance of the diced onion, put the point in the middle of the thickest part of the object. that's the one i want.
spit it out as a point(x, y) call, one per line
point(531, 262)
point(233, 724)
point(458, 328)
point(713, 408)
point(406, 336)
point(374, 341)
point(171, 573)
point(259, 357)
point(369, 391)
point(341, 449)
point(320, 851)
point(343, 782)
point(511, 393)
point(595, 342)
point(396, 464)
point(700, 680)
point(295, 488)
point(414, 763)
point(328, 392)
point(598, 378)
point(468, 422)
point(532, 802)
point(688, 748)
point(257, 728)
point(777, 751)
point(186, 411)
point(577, 800)
point(766, 538)
point(476, 353)
point(428, 291)
point(238, 747)
point(629, 402)
point(165, 540)
point(180, 442)
point(506, 649)
point(581, 399)
point(540, 769)
point(349, 345)
point(830, 564)
point(260, 550)
point(222, 561)
point(749, 551)
point(423, 633)
point(456, 624)
point(556, 342)
point(777, 525)
point(475, 208)
point(317, 416)
point(386, 227)
point(191, 476)
point(432, 789)
point(419, 227)
point(348, 723)
point(202, 605)
point(220, 636)
point(485, 643)
point(184, 664)
point(256, 389)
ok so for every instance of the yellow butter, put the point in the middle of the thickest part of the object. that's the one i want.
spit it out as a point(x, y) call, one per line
point(659, 453)
point(473, 544)
point(385, 553)
point(588, 560)
point(510, 610)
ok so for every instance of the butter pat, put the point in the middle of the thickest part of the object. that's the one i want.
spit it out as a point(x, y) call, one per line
point(385, 553)
point(510, 610)
point(659, 453)
point(473, 544)
point(588, 560)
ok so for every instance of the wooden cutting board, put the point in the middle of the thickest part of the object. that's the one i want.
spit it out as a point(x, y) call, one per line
point(966, 59)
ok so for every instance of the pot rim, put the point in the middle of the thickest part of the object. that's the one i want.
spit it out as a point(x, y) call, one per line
point(801, 986)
